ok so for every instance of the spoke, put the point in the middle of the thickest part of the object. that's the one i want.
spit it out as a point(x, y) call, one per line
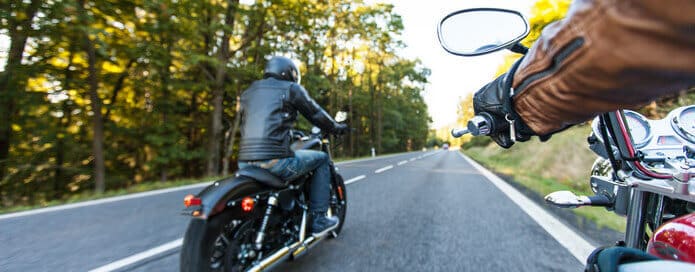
point(225, 239)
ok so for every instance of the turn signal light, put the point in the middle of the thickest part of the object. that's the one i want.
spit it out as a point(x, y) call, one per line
point(191, 200)
point(247, 204)
point(340, 192)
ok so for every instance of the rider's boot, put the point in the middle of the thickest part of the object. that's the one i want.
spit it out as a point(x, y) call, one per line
point(320, 223)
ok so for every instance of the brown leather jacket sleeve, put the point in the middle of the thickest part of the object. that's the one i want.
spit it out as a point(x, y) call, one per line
point(605, 55)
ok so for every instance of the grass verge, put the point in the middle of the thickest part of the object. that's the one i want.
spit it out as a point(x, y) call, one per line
point(562, 163)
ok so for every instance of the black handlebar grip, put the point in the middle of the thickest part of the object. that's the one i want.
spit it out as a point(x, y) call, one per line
point(600, 200)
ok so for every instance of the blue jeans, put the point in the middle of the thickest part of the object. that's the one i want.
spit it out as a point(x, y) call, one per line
point(294, 167)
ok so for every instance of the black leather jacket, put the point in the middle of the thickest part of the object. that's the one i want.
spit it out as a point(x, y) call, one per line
point(269, 109)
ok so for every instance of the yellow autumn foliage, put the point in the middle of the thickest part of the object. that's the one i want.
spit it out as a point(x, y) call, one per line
point(543, 13)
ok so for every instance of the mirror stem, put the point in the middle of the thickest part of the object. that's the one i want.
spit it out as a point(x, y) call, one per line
point(519, 48)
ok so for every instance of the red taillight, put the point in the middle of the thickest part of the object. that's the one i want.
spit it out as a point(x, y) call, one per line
point(191, 200)
point(340, 192)
point(247, 204)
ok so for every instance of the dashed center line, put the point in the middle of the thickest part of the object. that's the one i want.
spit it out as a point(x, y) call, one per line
point(355, 179)
point(412, 159)
point(402, 162)
point(383, 169)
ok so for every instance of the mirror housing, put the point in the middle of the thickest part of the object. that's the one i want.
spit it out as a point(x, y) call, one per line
point(478, 31)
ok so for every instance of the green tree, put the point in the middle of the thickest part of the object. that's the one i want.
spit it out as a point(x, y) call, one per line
point(102, 95)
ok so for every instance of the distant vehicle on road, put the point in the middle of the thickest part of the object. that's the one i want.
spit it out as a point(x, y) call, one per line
point(445, 146)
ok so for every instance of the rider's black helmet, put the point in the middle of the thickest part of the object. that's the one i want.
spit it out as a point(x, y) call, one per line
point(282, 68)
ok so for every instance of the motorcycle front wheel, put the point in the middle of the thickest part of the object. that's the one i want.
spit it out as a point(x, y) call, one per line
point(222, 243)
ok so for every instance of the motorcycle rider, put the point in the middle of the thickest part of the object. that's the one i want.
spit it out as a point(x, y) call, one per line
point(269, 109)
point(603, 56)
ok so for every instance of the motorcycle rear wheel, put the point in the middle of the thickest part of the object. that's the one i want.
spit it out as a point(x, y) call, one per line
point(215, 244)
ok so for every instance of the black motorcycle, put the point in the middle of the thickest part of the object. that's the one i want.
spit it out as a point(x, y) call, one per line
point(254, 220)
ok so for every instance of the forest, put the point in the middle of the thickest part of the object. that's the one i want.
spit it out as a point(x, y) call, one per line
point(98, 95)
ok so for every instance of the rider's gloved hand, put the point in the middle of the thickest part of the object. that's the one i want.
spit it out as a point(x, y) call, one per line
point(494, 102)
point(341, 129)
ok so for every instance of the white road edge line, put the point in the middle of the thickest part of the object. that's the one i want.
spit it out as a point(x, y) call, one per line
point(139, 257)
point(355, 179)
point(402, 162)
point(568, 238)
point(143, 194)
point(103, 200)
point(383, 169)
point(413, 159)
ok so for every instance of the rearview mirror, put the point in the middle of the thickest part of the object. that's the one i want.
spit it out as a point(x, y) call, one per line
point(472, 32)
point(341, 116)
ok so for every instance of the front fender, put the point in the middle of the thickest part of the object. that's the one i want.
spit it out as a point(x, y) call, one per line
point(215, 197)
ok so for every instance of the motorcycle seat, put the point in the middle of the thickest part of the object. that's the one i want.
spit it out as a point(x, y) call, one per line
point(263, 176)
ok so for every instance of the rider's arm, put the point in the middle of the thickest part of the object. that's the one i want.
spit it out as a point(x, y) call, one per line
point(605, 55)
point(310, 109)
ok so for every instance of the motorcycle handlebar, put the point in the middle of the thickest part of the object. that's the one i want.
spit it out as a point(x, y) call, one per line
point(477, 126)
point(600, 200)
point(458, 132)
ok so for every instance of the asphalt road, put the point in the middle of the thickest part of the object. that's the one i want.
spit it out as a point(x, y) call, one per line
point(419, 211)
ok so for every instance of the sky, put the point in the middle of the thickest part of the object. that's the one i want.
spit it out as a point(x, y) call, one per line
point(452, 76)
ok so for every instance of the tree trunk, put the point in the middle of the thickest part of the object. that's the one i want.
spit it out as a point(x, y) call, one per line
point(218, 92)
point(379, 123)
point(12, 82)
point(192, 133)
point(351, 115)
point(372, 118)
point(63, 123)
point(95, 102)
point(231, 136)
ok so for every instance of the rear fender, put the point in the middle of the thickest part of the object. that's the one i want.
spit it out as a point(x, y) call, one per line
point(215, 197)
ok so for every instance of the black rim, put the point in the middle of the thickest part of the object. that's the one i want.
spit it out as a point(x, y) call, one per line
point(232, 247)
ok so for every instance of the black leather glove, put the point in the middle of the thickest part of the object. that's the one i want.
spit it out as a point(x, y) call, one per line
point(341, 129)
point(494, 102)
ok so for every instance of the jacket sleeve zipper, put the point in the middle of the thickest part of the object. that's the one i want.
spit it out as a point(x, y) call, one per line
point(556, 64)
